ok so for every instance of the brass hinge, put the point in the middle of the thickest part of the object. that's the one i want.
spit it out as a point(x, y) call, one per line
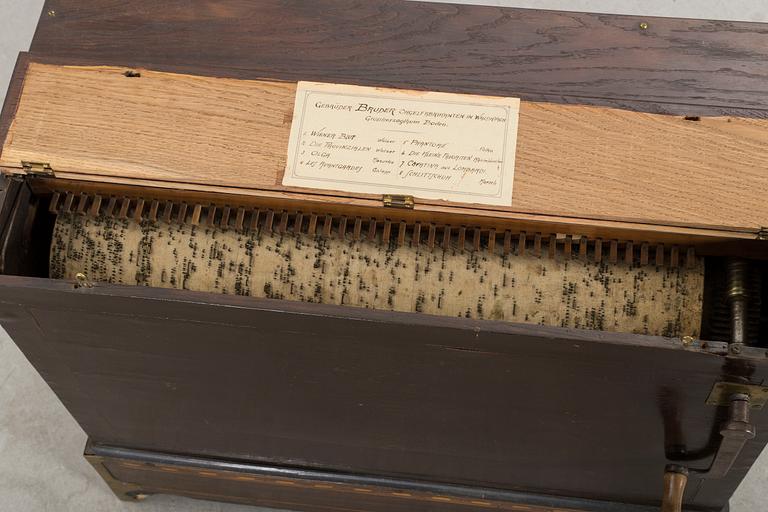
point(37, 168)
point(397, 201)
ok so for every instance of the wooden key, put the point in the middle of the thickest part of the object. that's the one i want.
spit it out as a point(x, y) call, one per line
point(298, 222)
point(401, 234)
point(386, 232)
point(124, 207)
point(111, 204)
point(95, 206)
point(269, 221)
point(629, 253)
point(507, 243)
point(255, 217)
point(81, 204)
point(167, 212)
point(431, 237)
point(239, 219)
point(210, 216)
point(153, 207)
point(139, 210)
point(644, 254)
point(416, 240)
point(598, 250)
point(327, 225)
point(537, 245)
point(225, 213)
point(196, 211)
point(53, 207)
point(282, 227)
point(68, 200)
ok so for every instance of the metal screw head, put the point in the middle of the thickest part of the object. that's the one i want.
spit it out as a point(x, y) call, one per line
point(735, 348)
point(51, 13)
point(643, 25)
point(687, 341)
point(81, 281)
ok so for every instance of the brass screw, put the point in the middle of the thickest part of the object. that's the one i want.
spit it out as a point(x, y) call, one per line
point(51, 13)
point(643, 25)
point(81, 281)
point(687, 341)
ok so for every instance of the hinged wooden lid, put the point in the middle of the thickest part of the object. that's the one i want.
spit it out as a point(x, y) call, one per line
point(221, 134)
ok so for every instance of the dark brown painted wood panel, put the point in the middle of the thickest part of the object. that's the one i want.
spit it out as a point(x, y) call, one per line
point(673, 65)
point(575, 413)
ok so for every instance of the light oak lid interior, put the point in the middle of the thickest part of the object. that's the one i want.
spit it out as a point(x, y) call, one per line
point(573, 162)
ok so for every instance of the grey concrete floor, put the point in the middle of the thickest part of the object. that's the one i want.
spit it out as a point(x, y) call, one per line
point(41, 467)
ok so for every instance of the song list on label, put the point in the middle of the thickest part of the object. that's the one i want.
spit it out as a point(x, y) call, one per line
point(432, 145)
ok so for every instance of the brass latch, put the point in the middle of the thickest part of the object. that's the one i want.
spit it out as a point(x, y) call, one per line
point(397, 201)
point(37, 168)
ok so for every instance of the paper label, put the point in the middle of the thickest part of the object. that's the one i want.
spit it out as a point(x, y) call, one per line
point(432, 145)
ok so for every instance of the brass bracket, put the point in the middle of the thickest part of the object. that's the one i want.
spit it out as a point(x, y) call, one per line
point(37, 168)
point(397, 201)
point(723, 391)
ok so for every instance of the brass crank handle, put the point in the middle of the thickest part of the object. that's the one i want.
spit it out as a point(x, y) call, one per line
point(735, 432)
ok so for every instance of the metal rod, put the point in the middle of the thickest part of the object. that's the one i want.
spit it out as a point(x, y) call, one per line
point(737, 295)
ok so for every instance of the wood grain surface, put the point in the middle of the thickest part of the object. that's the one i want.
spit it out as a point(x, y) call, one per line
point(572, 161)
point(691, 67)
point(12, 96)
point(128, 470)
point(487, 403)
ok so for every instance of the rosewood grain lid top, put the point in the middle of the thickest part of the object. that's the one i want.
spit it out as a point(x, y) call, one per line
point(651, 64)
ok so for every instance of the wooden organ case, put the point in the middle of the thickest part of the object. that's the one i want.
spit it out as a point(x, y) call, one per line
point(599, 345)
